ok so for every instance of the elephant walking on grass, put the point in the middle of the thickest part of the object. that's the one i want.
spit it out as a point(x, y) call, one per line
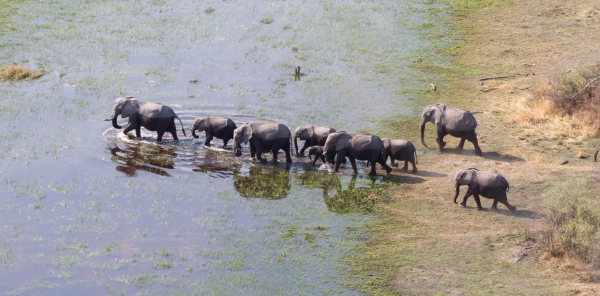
point(489, 185)
point(398, 149)
point(450, 121)
point(362, 147)
point(217, 127)
point(152, 116)
point(263, 137)
point(312, 135)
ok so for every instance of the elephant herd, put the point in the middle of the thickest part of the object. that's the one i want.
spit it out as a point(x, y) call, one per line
point(326, 143)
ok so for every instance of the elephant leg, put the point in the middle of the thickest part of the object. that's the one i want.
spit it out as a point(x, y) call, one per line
point(322, 159)
point(173, 130)
point(495, 204)
point(381, 161)
point(338, 158)
point(441, 133)
point(306, 146)
point(128, 128)
point(461, 144)
point(405, 167)
point(138, 132)
point(476, 197)
point(472, 137)
point(504, 201)
point(160, 130)
point(274, 151)
point(225, 140)
point(414, 170)
point(209, 137)
point(252, 150)
point(457, 191)
point(464, 202)
point(353, 163)
point(392, 161)
point(259, 151)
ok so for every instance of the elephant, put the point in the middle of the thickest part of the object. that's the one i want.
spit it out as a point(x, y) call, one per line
point(489, 185)
point(317, 151)
point(218, 127)
point(361, 147)
point(398, 149)
point(596, 153)
point(312, 135)
point(450, 121)
point(152, 116)
point(263, 137)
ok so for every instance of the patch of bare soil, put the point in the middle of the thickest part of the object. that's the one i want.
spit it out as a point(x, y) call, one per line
point(438, 247)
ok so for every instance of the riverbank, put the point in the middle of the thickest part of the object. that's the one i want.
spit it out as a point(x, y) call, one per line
point(424, 244)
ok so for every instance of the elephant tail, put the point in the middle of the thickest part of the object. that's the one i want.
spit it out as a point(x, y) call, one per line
point(507, 187)
point(182, 129)
point(596, 153)
point(416, 159)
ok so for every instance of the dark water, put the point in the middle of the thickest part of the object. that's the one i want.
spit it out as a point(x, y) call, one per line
point(86, 210)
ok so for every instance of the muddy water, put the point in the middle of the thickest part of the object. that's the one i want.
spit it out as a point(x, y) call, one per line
point(86, 209)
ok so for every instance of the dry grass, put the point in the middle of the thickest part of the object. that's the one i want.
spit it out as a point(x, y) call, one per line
point(15, 72)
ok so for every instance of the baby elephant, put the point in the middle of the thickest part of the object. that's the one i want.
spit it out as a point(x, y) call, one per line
point(489, 185)
point(218, 127)
point(400, 150)
point(317, 151)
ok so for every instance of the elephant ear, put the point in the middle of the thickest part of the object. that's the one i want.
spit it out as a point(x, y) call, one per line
point(311, 131)
point(343, 141)
point(128, 108)
point(246, 133)
point(437, 114)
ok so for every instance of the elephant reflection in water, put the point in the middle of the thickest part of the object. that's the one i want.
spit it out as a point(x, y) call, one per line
point(263, 182)
point(348, 200)
point(145, 157)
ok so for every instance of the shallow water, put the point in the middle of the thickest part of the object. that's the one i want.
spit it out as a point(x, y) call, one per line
point(86, 209)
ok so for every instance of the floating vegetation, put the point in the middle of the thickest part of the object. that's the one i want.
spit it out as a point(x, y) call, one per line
point(209, 10)
point(266, 20)
point(15, 72)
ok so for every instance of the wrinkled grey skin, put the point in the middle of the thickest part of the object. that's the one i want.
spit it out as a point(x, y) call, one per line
point(317, 151)
point(263, 137)
point(398, 149)
point(596, 153)
point(450, 121)
point(489, 185)
point(362, 147)
point(312, 135)
point(152, 116)
point(214, 127)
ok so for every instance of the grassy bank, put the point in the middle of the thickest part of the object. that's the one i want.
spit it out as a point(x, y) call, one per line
point(422, 243)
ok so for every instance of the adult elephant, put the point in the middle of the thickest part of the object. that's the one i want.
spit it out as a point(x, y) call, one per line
point(312, 135)
point(362, 147)
point(263, 137)
point(152, 116)
point(398, 149)
point(217, 127)
point(450, 121)
point(489, 185)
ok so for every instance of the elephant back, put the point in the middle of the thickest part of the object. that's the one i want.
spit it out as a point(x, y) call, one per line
point(363, 142)
point(458, 119)
point(156, 110)
point(493, 180)
point(270, 130)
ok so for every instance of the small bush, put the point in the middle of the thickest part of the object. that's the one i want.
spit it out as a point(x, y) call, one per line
point(577, 94)
point(15, 73)
point(573, 222)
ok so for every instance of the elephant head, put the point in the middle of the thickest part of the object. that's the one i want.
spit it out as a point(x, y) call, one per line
point(335, 142)
point(200, 124)
point(433, 114)
point(125, 107)
point(241, 134)
point(304, 133)
point(464, 177)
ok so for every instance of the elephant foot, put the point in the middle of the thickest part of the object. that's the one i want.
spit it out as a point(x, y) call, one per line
point(442, 145)
point(388, 170)
point(414, 171)
point(405, 168)
point(463, 204)
point(480, 209)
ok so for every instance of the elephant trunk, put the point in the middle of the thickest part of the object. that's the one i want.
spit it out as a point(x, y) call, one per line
point(194, 132)
point(457, 186)
point(114, 122)
point(423, 133)
point(237, 149)
point(296, 144)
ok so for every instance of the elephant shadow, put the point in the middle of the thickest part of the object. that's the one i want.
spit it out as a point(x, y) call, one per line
point(144, 157)
point(267, 182)
point(524, 214)
point(407, 179)
point(502, 157)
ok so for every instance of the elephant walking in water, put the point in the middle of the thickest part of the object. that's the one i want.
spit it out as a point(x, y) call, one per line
point(450, 121)
point(312, 135)
point(362, 147)
point(152, 116)
point(263, 137)
point(217, 127)
point(489, 185)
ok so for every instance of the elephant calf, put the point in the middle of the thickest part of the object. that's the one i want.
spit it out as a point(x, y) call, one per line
point(489, 185)
point(312, 135)
point(450, 121)
point(400, 150)
point(317, 151)
point(217, 127)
